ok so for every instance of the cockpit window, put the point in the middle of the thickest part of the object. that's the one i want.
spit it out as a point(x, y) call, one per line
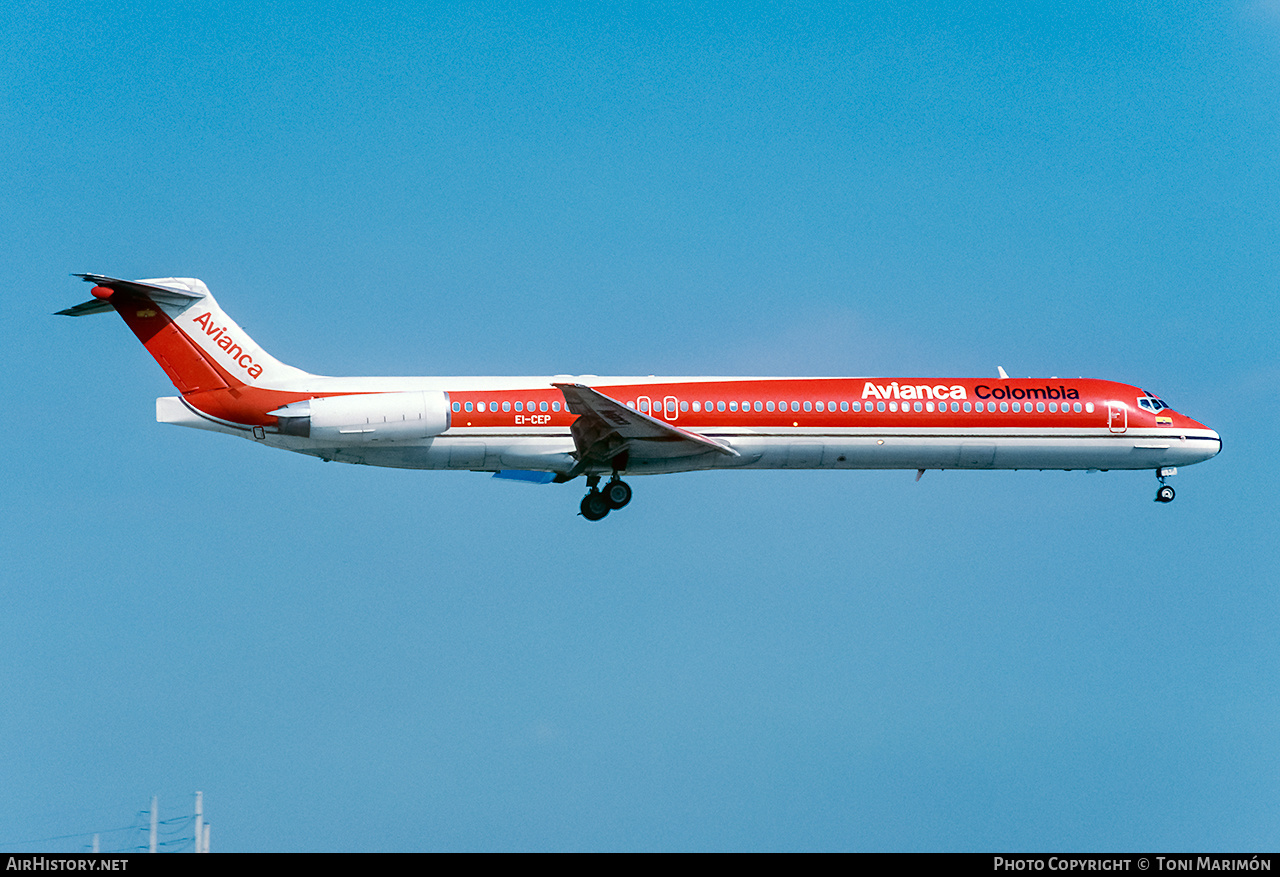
point(1150, 403)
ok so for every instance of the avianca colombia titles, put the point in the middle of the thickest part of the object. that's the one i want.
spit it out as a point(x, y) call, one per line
point(559, 427)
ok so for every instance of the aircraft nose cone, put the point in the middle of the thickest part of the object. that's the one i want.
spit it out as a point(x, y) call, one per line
point(1210, 436)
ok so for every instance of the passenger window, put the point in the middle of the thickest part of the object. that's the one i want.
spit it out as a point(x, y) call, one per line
point(684, 406)
point(1004, 406)
point(758, 406)
point(769, 405)
point(918, 406)
point(795, 406)
point(808, 406)
point(697, 406)
point(893, 406)
point(733, 406)
point(1040, 406)
point(457, 406)
point(818, 406)
point(506, 406)
point(844, 406)
point(555, 406)
point(720, 405)
point(1088, 406)
point(879, 406)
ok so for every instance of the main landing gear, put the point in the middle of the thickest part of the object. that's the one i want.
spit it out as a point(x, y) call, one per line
point(598, 503)
point(1165, 493)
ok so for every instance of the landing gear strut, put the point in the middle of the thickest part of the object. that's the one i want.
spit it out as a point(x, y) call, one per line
point(598, 503)
point(1165, 493)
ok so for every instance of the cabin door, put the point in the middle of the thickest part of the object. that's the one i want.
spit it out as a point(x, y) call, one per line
point(1117, 417)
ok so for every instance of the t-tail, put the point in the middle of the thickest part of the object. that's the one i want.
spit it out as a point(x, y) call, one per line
point(212, 361)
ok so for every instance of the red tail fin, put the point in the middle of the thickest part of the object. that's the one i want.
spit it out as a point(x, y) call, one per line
point(184, 363)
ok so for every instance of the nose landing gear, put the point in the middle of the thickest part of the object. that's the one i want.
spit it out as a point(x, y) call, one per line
point(598, 503)
point(1165, 493)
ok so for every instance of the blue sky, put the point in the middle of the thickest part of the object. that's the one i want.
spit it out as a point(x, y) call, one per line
point(345, 658)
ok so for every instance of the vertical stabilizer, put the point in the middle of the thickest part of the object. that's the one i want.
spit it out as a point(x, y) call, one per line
point(181, 325)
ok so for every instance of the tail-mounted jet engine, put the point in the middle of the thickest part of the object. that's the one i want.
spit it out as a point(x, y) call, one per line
point(364, 417)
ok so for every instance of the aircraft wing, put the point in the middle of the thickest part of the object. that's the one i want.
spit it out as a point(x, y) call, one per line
point(606, 428)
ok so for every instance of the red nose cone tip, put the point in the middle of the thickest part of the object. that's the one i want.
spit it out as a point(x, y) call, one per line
point(102, 292)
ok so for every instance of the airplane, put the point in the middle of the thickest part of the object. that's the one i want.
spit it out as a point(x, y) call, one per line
point(557, 428)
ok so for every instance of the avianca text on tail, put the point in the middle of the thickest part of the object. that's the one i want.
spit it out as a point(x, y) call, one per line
point(556, 428)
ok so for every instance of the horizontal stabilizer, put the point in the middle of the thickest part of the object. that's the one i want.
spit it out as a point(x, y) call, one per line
point(180, 291)
point(169, 290)
point(92, 306)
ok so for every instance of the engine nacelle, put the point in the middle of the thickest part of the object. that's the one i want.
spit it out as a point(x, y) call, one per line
point(365, 417)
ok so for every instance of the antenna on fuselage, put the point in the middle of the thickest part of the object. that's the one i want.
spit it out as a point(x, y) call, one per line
point(1004, 376)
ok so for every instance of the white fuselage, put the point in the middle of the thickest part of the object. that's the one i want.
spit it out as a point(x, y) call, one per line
point(929, 439)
